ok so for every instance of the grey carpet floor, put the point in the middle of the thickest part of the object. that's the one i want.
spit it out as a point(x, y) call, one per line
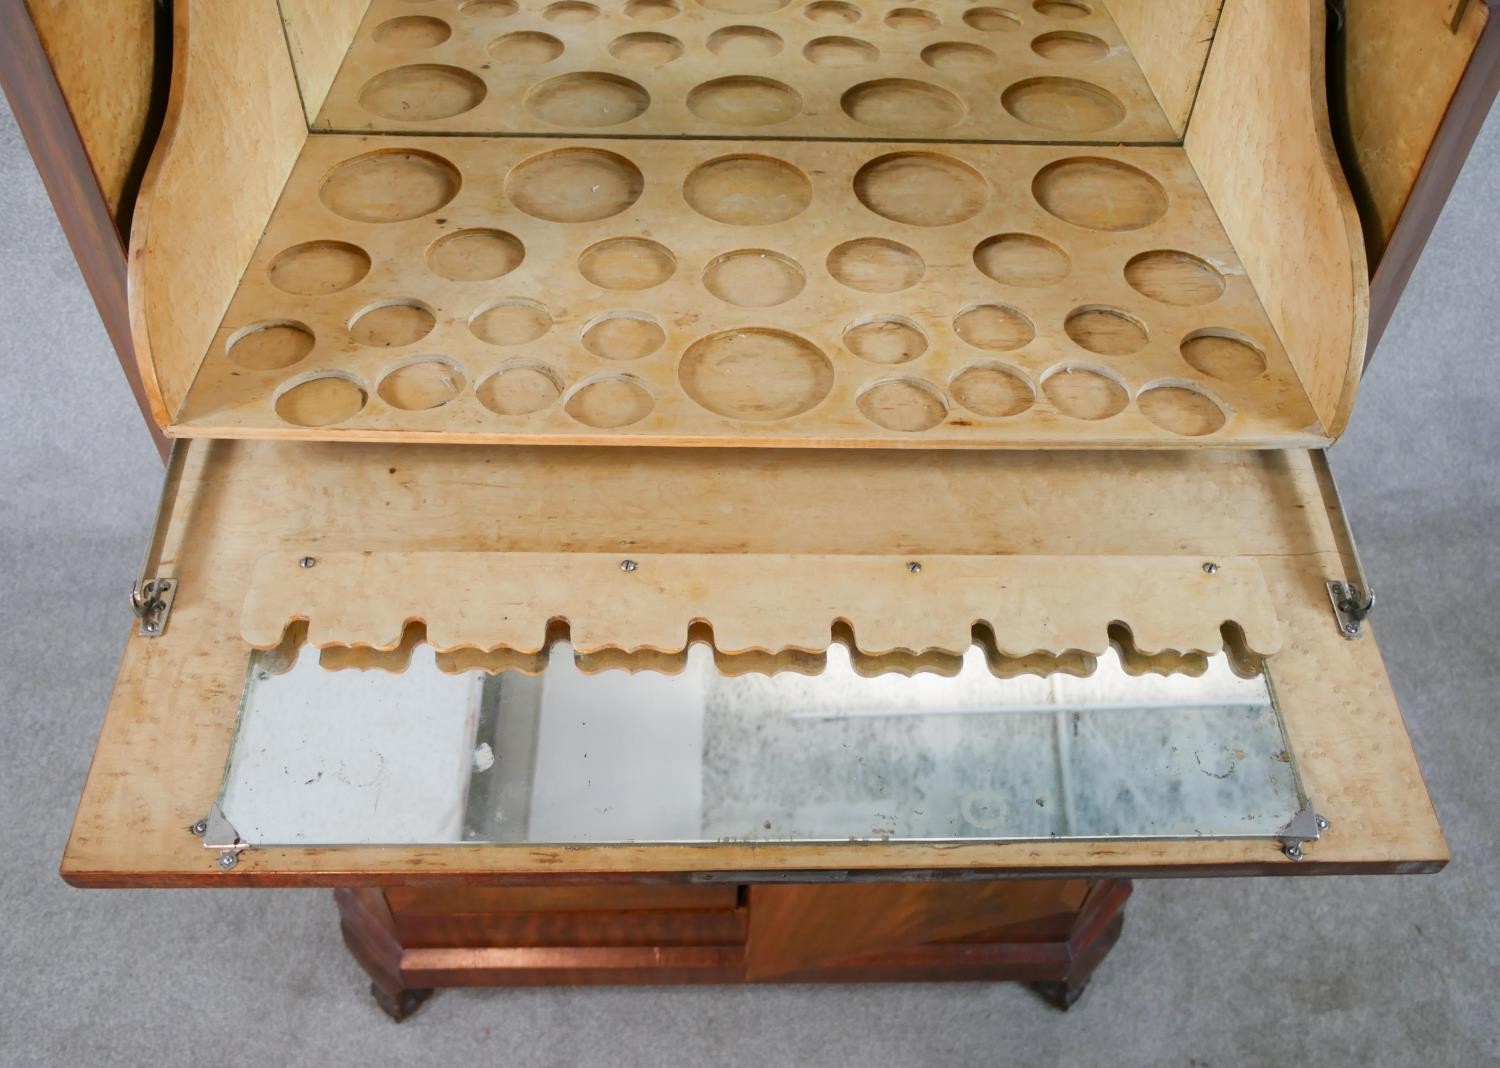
point(1332, 971)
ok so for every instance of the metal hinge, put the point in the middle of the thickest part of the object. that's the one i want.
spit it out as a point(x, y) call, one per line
point(152, 595)
point(1352, 598)
point(1306, 826)
point(218, 833)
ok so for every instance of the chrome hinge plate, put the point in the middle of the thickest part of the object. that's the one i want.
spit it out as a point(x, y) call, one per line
point(1306, 826)
point(151, 600)
point(1352, 605)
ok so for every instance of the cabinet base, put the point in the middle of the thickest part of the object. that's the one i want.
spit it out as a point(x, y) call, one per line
point(1050, 934)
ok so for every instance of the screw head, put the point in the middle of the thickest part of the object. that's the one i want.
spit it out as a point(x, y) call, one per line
point(1322, 823)
point(1350, 630)
point(200, 828)
point(308, 561)
point(914, 567)
point(1210, 568)
point(1294, 851)
point(628, 565)
point(228, 860)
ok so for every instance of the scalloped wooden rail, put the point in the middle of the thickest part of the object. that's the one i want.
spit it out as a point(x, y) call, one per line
point(899, 610)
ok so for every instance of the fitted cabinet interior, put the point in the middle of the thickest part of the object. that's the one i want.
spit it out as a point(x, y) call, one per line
point(725, 222)
point(567, 347)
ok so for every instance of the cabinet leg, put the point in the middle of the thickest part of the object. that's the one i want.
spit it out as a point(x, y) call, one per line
point(369, 934)
point(1064, 993)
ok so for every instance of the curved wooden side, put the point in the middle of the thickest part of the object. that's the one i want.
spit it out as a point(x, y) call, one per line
point(1261, 142)
point(233, 129)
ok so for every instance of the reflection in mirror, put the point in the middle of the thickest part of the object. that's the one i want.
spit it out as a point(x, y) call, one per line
point(423, 757)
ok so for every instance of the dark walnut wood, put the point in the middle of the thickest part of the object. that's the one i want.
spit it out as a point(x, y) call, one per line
point(1049, 933)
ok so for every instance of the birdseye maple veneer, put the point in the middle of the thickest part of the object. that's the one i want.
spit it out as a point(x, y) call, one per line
point(744, 222)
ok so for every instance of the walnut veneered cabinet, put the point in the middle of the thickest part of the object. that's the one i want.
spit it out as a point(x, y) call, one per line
point(705, 490)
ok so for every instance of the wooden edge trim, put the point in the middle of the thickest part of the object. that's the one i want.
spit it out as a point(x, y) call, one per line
point(140, 225)
point(1354, 231)
point(1455, 138)
point(41, 112)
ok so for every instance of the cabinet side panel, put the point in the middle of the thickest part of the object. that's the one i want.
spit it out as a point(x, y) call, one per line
point(1260, 141)
point(1170, 40)
point(105, 67)
point(233, 130)
point(319, 33)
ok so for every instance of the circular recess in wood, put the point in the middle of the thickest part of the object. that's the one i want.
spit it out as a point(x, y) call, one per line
point(992, 19)
point(876, 265)
point(1066, 105)
point(1107, 331)
point(744, 7)
point(270, 346)
point(1181, 409)
point(646, 49)
point(840, 52)
point(520, 389)
point(997, 327)
point(412, 31)
point(626, 335)
point(921, 188)
point(912, 20)
point(754, 278)
point(574, 185)
point(510, 321)
point(744, 43)
point(609, 401)
point(755, 374)
point(628, 263)
point(902, 104)
point(422, 92)
point(958, 56)
point(390, 186)
point(422, 383)
point(1224, 354)
point(489, 9)
point(321, 399)
point(908, 405)
point(992, 390)
point(832, 13)
point(747, 190)
point(887, 339)
point(1021, 260)
point(1069, 46)
point(476, 255)
point(392, 323)
point(570, 12)
point(743, 100)
point(318, 267)
point(652, 10)
point(1173, 277)
point(1100, 194)
point(526, 48)
point(1085, 393)
point(587, 99)
point(1062, 9)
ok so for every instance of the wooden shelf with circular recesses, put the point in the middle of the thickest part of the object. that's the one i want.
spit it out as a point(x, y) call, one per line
point(1014, 70)
point(704, 292)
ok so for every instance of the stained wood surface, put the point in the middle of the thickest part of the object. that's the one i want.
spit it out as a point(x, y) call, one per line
point(172, 718)
point(105, 62)
point(799, 928)
point(319, 34)
point(723, 68)
point(1169, 40)
point(735, 293)
point(1057, 606)
point(1261, 142)
point(1402, 63)
point(233, 130)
